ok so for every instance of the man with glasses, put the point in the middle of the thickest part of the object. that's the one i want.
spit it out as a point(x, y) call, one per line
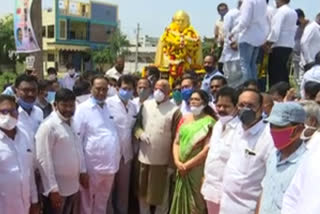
point(17, 183)
point(247, 164)
point(30, 115)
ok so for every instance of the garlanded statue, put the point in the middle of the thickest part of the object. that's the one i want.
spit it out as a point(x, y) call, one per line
point(179, 48)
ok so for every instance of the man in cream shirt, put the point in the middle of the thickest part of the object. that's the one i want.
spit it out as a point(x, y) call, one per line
point(220, 147)
point(155, 128)
point(60, 157)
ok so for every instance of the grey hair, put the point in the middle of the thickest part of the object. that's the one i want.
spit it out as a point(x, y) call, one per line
point(312, 109)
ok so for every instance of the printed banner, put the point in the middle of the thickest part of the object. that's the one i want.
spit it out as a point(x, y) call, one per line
point(26, 41)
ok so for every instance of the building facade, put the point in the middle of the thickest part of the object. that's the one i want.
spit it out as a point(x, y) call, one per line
point(72, 28)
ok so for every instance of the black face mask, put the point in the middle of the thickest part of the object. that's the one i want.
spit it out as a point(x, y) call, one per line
point(247, 116)
point(208, 69)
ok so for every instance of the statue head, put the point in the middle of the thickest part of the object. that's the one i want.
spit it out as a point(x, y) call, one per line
point(181, 19)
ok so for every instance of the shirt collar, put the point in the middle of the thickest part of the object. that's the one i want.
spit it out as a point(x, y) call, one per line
point(211, 74)
point(21, 110)
point(233, 123)
point(92, 104)
point(255, 129)
point(293, 158)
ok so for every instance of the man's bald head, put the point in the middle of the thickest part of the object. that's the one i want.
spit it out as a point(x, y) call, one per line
point(164, 86)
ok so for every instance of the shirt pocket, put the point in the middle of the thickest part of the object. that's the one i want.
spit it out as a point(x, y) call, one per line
point(6, 160)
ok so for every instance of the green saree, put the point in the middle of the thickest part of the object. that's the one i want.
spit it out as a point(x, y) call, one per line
point(187, 198)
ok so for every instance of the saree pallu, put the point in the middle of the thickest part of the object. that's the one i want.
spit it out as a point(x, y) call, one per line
point(187, 198)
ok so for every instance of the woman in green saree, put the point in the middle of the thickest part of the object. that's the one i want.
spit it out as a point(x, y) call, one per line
point(190, 150)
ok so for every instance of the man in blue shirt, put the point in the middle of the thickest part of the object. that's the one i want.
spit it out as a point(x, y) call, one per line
point(210, 67)
point(287, 124)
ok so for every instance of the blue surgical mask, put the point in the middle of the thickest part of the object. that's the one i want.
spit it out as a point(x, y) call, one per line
point(51, 96)
point(96, 101)
point(25, 105)
point(125, 95)
point(186, 93)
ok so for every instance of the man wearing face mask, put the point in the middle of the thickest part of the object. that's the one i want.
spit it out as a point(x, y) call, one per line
point(155, 128)
point(124, 114)
point(17, 183)
point(42, 98)
point(188, 85)
point(247, 163)
point(286, 123)
point(312, 123)
point(70, 78)
point(144, 90)
point(210, 67)
point(60, 156)
point(102, 151)
point(220, 147)
point(30, 115)
point(118, 69)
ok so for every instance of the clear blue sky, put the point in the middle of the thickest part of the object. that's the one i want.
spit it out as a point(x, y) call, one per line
point(154, 15)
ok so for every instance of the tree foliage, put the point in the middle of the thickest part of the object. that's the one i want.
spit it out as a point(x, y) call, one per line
point(118, 45)
point(7, 43)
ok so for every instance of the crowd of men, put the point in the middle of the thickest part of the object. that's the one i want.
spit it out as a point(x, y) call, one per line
point(104, 143)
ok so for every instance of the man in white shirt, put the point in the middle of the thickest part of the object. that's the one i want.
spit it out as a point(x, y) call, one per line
point(312, 75)
point(252, 31)
point(70, 78)
point(220, 147)
point(310, 41)
point(230, 55)
point(30, 115)
point(60, 157)
point(17, 183)
point(124, 115)
point(210, 67)
point(99, 138)
point(281, 41)
point(247, 163)
point(118, 69)
point(302, 195)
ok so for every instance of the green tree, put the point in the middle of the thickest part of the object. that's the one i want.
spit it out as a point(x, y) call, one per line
point(7, 43)
point(118, 45)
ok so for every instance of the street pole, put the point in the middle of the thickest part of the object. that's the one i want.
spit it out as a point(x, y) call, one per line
point(36, 20)
point(137, 47)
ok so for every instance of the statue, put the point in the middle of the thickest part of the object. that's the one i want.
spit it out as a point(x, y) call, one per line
point(179, 48)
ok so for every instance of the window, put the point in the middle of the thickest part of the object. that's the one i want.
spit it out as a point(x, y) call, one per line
point(51, 31)
point(50, 57)
point(44, 33)
point(63, 29)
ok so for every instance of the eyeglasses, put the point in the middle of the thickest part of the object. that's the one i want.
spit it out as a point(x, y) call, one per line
point(9, 111)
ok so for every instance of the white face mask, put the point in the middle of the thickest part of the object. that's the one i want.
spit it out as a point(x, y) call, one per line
point(7, 122)
point(196, 110)
point(159, 96)
point(65, 119)
point(112, 91)
point(303, 134)
point(225, 119)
